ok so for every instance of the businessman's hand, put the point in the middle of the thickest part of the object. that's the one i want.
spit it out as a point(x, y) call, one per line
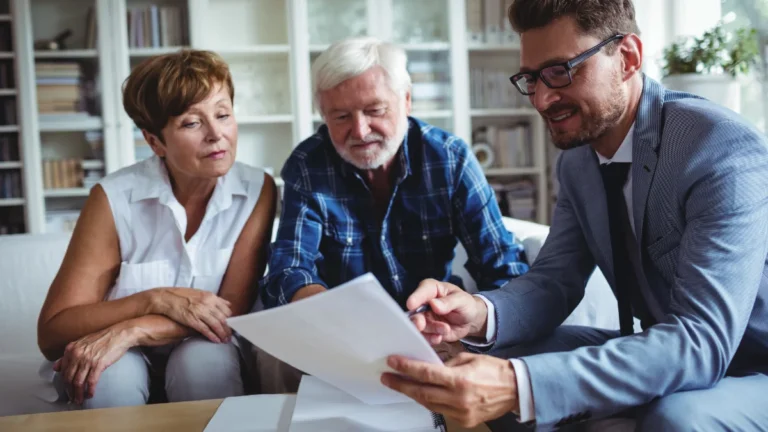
point(455, 314)
point(470, 388)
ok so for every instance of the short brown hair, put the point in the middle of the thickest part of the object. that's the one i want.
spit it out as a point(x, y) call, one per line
point(166, 86)
point(599, 18)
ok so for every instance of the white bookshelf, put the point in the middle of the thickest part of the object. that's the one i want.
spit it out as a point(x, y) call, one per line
point(9, 165)
point(67, 54)
point(13, 203)
point(67, 192)
point(269, 45)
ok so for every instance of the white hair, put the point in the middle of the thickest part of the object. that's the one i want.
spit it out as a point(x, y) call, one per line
point(351, 57)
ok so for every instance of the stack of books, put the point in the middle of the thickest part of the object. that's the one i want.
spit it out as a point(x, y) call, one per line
point(490, 88)
point(517, 199)
point(512, 146)
point(431, 88)
point(10, 184)
point(487, 22)
point(58, 91)
point(156, 26)
point(9, 151)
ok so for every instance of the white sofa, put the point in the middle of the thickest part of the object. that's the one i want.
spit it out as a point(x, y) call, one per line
point(28, 264)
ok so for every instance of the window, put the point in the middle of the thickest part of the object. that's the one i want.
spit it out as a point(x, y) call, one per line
point(754, 95)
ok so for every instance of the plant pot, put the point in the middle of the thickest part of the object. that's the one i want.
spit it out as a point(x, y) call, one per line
point(720, 89)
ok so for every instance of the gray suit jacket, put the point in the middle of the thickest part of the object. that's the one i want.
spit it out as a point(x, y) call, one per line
point(700, 197)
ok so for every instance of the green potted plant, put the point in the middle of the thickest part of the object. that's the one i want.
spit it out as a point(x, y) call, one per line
point(711, 64)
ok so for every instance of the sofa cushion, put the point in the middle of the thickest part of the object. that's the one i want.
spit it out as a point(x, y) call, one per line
point(28, 264)
point(23, 391)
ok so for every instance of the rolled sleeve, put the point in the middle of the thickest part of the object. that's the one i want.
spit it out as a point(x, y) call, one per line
point(493, 255)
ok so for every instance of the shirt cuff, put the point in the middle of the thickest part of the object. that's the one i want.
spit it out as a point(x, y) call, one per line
point(490, 325)
point(524, 391)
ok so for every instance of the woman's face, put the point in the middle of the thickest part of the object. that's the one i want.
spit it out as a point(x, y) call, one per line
point(202, 142)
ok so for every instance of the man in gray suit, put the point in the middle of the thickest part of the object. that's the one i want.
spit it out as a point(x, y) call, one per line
point(667, 194)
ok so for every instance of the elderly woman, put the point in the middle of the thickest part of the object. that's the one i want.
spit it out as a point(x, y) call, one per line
point(164, 250)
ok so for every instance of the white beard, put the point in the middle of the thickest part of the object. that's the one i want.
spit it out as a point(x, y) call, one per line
point(379, 155)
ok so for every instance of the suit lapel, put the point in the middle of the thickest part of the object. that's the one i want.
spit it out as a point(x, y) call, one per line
point(645, 142)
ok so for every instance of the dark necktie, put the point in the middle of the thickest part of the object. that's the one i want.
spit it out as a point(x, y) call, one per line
point(614, 177)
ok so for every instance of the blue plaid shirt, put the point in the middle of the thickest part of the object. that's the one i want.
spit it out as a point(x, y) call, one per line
point(329, 232)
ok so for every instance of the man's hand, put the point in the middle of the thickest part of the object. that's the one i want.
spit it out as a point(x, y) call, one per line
point(308, 291)
point(455, 313)
point(85, 359)
point(470, 388)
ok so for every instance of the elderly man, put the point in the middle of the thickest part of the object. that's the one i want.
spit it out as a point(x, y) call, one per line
point(375, 190)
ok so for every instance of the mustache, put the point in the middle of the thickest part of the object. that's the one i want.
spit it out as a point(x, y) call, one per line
point(558, 109)
point(372, 137)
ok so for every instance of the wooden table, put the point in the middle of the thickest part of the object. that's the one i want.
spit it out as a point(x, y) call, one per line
point(169, 417)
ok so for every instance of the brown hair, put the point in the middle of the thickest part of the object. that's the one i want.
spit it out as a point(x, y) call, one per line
point(599, 18)
point(166, 86)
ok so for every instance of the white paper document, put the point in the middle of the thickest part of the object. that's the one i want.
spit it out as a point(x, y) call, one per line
point(342, 336)
point(320, 407)
point(257, 413)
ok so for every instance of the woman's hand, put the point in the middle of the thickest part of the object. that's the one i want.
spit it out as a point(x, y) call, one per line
point(85, 359)
point(199, 310)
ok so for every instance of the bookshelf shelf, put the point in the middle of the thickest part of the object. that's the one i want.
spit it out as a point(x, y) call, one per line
point(92, 164)
point(5, 18)
point(8, 92)
point(67, 54)
point(485, 47)
point(6, 55)
point(79, 125)
point(10, 165)
point(9, 128)
point(503, 112)
point(264, 119)
point(12, 202)
point(149, 52)
point(427, 46)
point(318, 48)
point(255, 49)
point(520, 171)
point(67, 192)
point(437, 114)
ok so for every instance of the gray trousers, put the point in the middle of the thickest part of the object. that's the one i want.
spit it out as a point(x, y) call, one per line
point(195, 369)
point(734, 404)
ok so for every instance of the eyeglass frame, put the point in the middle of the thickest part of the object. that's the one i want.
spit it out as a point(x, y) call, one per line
point(568, 65)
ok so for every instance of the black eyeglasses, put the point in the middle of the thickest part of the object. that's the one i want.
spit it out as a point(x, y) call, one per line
point(557, 75)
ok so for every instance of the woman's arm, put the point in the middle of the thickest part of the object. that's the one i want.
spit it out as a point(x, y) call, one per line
point(249, 256)
point(74, 306)
point(249, 259)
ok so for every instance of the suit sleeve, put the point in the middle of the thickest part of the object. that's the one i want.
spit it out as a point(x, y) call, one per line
point(533, 305)
point(718, 271)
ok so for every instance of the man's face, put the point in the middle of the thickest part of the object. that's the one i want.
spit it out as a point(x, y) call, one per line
point(597, 96)
point(366, 119)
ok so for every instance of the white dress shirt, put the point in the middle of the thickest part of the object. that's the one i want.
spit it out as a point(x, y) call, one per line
point(524, 389)
point(151, 224)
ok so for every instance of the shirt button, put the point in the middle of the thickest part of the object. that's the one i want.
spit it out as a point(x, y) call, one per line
point(383, 238)
point(395, 278)
point(424, 237)
point(349, 240)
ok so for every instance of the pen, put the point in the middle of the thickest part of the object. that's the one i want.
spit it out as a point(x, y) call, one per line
point(420, 309)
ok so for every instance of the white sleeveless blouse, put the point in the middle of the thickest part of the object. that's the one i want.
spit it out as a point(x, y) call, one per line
point(151, 224)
